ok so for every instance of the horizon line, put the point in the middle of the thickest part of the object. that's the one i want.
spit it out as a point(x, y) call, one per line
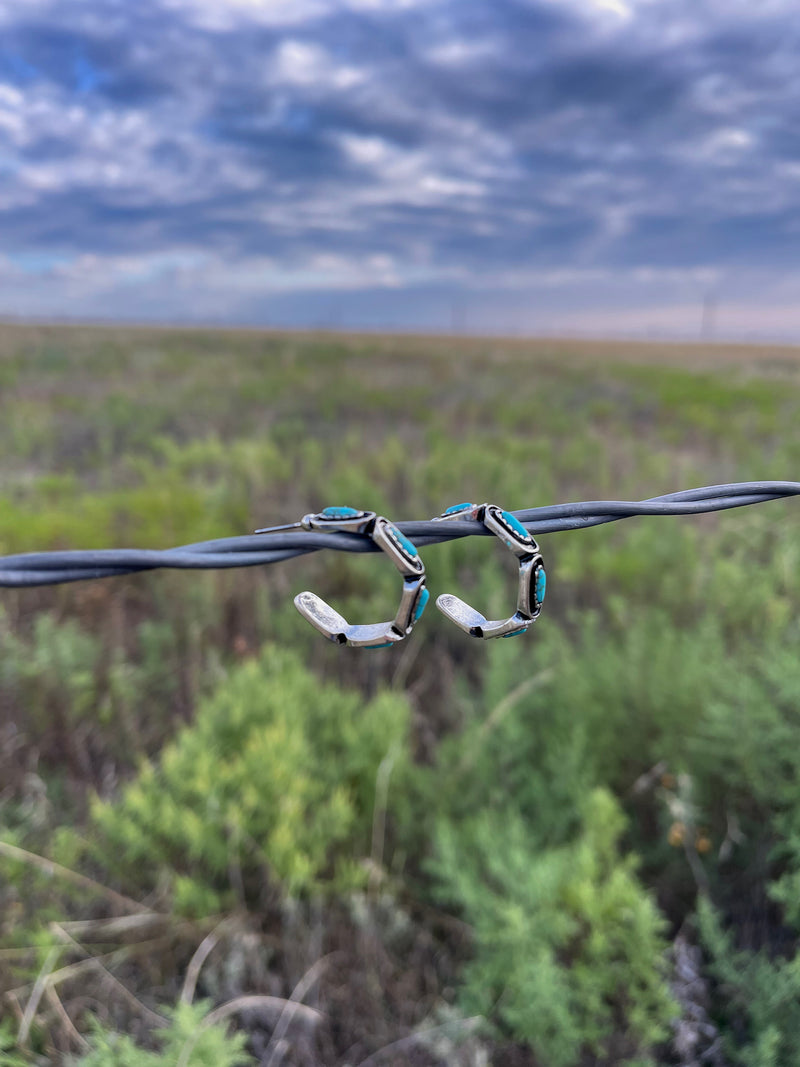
point(655, 337)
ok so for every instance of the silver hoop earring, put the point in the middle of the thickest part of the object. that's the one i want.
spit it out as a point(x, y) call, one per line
point(400, 551)
point(532, 577)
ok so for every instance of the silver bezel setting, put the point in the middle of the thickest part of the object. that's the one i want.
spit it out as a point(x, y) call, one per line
point(357, 523)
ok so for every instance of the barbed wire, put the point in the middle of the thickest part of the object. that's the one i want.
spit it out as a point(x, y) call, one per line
point(280, 543)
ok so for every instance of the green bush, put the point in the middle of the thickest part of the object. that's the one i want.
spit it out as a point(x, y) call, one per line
point(57, 664)
point(185, 1036)
point(758, 998)
point(568, 945)
point(82, 691)
point(599, 703)
point(275, 779)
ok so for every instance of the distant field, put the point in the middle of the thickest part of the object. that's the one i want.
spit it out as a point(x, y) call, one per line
point(636, 749)
point(98, 408)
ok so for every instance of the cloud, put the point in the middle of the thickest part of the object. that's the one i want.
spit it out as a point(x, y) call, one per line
point(257, 149)
point(230, 14)
point(303, 65)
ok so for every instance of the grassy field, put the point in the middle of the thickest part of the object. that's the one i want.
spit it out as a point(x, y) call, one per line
point(581, 847)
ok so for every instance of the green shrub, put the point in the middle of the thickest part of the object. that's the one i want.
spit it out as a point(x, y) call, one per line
point(207, 1046)
point(597, 703)
point(275, 777)
point(57, 664)
point(568, 945)
point(758, 998)
point(77, 691)
point(579, 707)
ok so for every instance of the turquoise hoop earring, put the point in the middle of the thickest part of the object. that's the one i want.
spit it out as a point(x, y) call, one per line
point(400, 551)
point(532, 577)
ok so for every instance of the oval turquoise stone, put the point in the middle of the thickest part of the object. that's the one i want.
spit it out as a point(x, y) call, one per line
point(541, 584)
point(458, 507)
point(340, 513)
point(424, 597)
point(515, 633)
point(404, 542)
point(516, 525)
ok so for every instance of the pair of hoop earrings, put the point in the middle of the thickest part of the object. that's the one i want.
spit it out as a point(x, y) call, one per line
point(414, 597)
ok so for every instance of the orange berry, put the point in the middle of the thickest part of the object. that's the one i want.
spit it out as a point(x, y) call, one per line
point(676, 834)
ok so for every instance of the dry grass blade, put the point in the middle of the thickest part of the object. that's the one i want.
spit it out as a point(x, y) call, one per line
point(50, 867)
point(95, 963)
point(287, 1015)
point(119, 926)
point(420, 1035)
point(499, 712)
point(73, 970)
point(379, 816)
point(15, 953)
point(247, 1003)
point(70, 1029)
point(201, 954)
point(407, 659)
point(39, 987)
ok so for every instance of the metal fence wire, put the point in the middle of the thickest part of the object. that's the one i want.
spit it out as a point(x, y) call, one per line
point(280, 543)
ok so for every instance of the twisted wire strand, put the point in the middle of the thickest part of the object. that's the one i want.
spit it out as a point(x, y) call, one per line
point(54, 568)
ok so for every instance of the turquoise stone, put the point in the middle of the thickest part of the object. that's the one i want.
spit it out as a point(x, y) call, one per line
point(424, 597)
point(458, 507)
point(385, 644)
point(403, 541)
point(515, 633)
point(341, 513)
point(515, 524)
point(541, 584)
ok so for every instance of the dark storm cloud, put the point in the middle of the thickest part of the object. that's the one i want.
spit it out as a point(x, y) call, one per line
point(452, 145)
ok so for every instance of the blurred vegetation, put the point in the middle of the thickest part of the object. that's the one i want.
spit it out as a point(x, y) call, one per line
point(187, 1037)
point(275, 780)
point(448, 852)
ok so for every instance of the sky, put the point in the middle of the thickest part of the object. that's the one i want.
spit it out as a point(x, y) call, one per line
point(607, 167)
